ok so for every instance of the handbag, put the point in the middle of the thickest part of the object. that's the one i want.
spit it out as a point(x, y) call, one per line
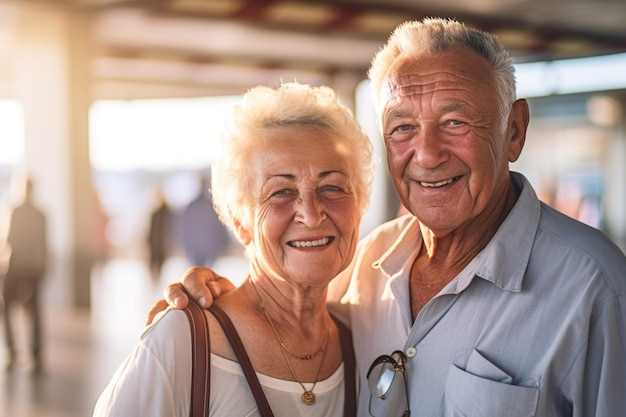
point(201, 362)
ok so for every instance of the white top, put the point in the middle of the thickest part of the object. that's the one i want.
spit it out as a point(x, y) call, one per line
point(155, 380)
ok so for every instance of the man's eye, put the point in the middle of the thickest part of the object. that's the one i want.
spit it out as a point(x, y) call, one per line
point(402, 128)
point(400, 133)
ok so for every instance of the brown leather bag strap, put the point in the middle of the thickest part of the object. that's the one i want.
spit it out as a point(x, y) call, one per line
point(244, 361)
point(349, 369)
point(200, 361)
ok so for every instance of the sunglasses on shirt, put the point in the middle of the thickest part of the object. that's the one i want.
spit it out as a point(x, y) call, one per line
point(381, 377)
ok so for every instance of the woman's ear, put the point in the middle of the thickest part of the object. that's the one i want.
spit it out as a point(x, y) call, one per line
point(518, 124)
point(245, 237)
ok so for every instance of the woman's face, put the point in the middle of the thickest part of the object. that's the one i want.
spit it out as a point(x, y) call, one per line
point(306, 215)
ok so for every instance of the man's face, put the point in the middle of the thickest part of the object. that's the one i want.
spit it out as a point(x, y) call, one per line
point(447, 147)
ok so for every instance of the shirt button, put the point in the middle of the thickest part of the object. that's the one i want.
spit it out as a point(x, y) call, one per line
point(410, 352)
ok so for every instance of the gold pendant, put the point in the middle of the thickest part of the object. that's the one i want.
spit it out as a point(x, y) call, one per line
point(308, 397)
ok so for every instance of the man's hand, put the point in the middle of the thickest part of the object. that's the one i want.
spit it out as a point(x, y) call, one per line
point(200, 283)
point(156, 308)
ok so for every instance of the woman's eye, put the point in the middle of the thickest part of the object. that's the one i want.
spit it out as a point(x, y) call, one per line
point(331, 188)
point(282, 192)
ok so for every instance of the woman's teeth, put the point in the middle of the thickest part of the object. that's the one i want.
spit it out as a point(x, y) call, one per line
point(309, 243)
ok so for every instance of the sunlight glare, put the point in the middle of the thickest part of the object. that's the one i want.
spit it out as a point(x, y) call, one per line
point(11, 132)
point(156, 135)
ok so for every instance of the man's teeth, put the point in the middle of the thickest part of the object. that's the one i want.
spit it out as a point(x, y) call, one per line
point(436, 184)
point(310, 243)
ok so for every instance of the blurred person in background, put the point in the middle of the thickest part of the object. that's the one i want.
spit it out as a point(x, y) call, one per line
point(204, 237)
point(27, 241)
point(483, 300)
point(160, 236)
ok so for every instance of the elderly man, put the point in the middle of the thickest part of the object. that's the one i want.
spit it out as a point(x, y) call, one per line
point(483, 301)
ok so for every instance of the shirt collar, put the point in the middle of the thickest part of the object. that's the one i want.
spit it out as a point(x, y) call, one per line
point(503, 261)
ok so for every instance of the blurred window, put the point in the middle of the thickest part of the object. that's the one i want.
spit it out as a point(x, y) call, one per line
point(11, 142)
point(156, 134)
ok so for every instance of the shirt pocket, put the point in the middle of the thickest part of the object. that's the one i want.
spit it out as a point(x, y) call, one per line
point(484, 390)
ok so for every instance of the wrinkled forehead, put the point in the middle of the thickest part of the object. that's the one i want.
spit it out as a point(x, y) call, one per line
point(424, 74)
point(408, 84)
point(441, 89)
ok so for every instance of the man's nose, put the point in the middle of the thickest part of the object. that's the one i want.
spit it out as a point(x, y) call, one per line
point(429, 146)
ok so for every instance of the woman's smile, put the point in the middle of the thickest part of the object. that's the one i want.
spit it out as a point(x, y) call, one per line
point(311, 243)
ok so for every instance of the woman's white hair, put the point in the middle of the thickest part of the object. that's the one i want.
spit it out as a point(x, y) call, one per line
point(433, 36)
point(233, 179)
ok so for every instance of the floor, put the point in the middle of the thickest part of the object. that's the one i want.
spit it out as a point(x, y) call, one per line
point(82, 349)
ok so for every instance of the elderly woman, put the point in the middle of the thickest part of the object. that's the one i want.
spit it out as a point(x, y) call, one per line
point(292, 184)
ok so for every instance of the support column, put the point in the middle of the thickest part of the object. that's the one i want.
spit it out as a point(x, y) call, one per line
point(83, 202)
point(615, 205)
point(51, 78)
point(38, 80)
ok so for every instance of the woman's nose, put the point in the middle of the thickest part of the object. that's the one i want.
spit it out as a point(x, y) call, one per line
point(309, 211)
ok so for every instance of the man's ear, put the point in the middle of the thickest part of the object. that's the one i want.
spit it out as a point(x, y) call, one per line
point(245, 237)
point(517, 126)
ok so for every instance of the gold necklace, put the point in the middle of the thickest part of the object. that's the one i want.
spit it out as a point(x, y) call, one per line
point(306, 357)
point(308, 397)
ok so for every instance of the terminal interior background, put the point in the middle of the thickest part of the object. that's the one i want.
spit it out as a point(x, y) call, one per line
point(109, 104)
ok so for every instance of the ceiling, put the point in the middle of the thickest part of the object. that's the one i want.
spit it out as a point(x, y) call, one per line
point(225, 46)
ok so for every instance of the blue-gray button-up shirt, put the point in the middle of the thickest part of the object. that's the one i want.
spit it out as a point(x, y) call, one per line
point(535, 325)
